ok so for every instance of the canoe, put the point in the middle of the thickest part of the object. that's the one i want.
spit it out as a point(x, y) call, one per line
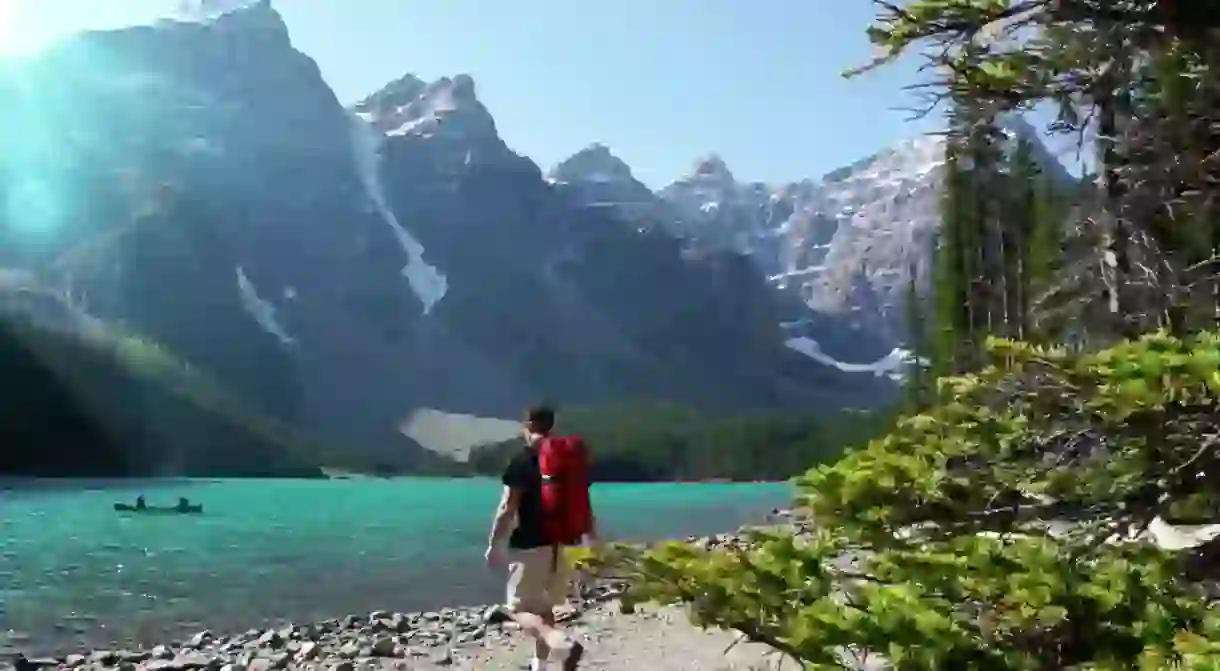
point(158, 510)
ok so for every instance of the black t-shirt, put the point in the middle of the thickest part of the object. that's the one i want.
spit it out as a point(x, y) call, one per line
point(523, 474)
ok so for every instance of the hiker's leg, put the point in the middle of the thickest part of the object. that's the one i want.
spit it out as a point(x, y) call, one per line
point(548, 638)
point(530, 601)
point(541, 626)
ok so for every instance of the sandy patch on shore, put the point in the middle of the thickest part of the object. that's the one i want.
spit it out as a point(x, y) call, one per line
point(652, 639)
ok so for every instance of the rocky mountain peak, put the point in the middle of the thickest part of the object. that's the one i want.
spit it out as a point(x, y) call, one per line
point(410, 107)
point(401, 91)
point(210, 10)
point(712, 167)
point(251, 19)
point(595, 163)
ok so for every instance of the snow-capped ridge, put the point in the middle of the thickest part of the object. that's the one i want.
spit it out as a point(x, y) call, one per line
point(230, 11)
point(410, 107)
point(401, 91)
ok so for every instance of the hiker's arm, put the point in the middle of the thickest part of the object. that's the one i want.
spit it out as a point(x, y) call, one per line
point(505, 514)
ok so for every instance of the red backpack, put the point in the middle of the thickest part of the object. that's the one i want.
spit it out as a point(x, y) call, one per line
point(567, 514)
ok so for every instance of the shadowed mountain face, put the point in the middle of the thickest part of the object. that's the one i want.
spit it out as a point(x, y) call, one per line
point(200, 183)
point(82, 399)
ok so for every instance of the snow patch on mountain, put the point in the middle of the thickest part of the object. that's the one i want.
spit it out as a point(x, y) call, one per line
point(260, 309)
point(892, 365)
point(428, 283)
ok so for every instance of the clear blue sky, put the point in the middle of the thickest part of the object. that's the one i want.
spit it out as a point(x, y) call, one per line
point(660, 82)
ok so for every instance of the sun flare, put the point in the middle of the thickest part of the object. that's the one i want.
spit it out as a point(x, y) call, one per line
point(10, 37)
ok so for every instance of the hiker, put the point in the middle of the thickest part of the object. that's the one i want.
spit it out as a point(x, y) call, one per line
point(546, 497)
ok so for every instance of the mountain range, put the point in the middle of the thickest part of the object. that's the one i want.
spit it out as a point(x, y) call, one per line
point(339, 268)
point(847, 246)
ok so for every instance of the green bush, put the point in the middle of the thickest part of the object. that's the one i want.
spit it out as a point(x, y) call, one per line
point(932, 547)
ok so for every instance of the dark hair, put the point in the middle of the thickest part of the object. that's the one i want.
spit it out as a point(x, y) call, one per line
point(540, 419)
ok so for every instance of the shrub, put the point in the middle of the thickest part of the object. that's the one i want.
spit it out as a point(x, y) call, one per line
point(933, 547)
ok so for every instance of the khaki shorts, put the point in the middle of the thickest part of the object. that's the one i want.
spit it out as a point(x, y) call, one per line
point(534, 584)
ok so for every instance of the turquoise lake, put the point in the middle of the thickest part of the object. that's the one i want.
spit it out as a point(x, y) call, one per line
point(74, 573)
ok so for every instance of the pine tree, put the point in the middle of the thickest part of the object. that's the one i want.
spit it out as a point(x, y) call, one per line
point(920, 384)
point(951, 329)
point(969, 263)
point(1019, 224)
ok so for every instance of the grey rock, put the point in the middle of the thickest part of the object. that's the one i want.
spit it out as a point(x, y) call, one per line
point(352, 622)
point(345, 665)
point(472, 635)
point(104, 657)
point(384, 647)
point(308, 650)
point(200, 639)
point(271, 639)
point(125, 666)
point(259, 664)
point(74, 660)
point(162, 652)
point(134, 656)
point(232, 667)
point(400, 623)
point(349, 650)
point(191, 659)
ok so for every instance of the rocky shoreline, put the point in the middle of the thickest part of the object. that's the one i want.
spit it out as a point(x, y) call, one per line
point(378, 640)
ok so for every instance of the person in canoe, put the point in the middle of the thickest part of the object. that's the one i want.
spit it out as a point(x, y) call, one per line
point(140, 504)
point(184, 506)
